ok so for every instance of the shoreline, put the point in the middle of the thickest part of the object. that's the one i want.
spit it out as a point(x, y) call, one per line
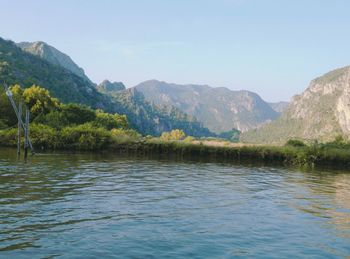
point(269, 155)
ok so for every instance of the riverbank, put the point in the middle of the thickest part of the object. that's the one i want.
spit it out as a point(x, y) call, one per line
point(331, 154)
point(304, 156)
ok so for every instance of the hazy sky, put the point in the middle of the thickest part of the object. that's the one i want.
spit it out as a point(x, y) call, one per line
point(271, 47)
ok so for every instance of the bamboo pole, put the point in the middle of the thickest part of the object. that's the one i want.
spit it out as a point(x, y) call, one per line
point(19, 129)
point(9, 94)
point(26, 145)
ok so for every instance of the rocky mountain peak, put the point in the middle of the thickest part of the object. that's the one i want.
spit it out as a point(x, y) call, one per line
point(322, 111)
point(53, 56)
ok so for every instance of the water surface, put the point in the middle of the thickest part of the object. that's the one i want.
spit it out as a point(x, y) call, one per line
point(86, 205)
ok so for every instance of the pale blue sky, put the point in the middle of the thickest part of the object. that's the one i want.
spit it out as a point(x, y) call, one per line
point(271, 47)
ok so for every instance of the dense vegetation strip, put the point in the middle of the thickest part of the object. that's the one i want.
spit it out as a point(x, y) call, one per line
point(77, 127)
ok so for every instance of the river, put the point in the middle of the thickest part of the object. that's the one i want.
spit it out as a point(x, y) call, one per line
point(98, 206)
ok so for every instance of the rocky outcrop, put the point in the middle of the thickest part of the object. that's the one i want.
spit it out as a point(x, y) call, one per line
point(321, 112)
point(53, 55)
point(107, 86)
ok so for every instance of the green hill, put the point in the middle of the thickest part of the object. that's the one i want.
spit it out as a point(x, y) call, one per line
point(20, 67)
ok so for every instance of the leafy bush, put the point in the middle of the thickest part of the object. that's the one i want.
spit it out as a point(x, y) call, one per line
point(54, 119)
point(3, 124)
point(110, 121)
point(75, 114)
point(43, 136)
point(339, 142)
point(295, 143)
point(85, 137)
point(189, 139)
point(8, 137)
point(173, 135)
point(125, 132)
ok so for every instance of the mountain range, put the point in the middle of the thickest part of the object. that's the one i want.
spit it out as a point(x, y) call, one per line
point(321, 112)
point(220, 109)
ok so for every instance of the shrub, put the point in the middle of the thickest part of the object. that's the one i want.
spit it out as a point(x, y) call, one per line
point(54, 119)
point(189, 139)
point(173, 135)
point(123, 132)
point(295, 143)
point(43, 136)
point(110, 121)
point(8, 137)
point(85, 137)
point(77, 114)
point(3, 125)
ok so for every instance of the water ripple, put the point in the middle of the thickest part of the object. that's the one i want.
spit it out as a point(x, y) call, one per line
point(87, 205)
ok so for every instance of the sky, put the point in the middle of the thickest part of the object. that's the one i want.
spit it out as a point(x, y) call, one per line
point(271, 47)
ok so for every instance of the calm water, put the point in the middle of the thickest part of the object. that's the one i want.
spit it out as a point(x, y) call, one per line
point(92, 206)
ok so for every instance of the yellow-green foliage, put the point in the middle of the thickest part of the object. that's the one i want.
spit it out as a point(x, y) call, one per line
point(110, 121)
point(85, 137)
point(42, 136)
point(125, 135)
point(125, 132)
point(173, 135)
point(38, 100)
point(189, 139)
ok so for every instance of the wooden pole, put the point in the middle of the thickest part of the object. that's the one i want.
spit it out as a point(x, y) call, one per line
point(19, 129)
point(9, 94)
point(26, 134)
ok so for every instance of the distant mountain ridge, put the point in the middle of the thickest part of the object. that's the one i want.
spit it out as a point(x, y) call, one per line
point(152, 119)
point(321, 112)
point(53, 55)
point(220, 109)
point(279, 106)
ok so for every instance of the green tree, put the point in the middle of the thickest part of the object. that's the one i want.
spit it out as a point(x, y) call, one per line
point(110, 121)
point(75, 114)
point(39, 100)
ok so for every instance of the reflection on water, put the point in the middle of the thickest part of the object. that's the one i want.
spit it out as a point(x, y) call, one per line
point(86, 205)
